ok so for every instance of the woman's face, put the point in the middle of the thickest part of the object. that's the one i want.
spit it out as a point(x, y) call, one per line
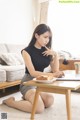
point(43, 39)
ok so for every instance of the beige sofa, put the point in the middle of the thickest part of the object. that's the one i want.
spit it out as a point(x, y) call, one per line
point(12, 66)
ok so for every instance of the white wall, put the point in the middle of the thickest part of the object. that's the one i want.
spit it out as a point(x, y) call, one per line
point(16, 21)
point(64, 19)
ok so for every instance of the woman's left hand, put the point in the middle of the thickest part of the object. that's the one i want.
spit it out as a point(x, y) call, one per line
point(48, 52)
point(58, 74)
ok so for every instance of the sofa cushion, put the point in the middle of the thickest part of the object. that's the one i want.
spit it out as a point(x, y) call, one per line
point(3, 48)
point(2, 75)
point(15, 48)
point(47, 69)
point(2, 62)
point(14, 72)
point(18, 57)
point(11, 58)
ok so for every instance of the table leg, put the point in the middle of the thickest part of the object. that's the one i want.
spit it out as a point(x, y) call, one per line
point(68, 104)
point(35, 104)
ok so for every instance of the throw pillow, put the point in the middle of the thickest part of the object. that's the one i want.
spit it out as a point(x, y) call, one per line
point(18, 57)
point(9, 59)
point(2, 62)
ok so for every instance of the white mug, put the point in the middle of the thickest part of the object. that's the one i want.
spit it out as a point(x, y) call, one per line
point(77, 67)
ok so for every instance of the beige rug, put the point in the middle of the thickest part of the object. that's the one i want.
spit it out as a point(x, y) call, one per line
point(56, 112)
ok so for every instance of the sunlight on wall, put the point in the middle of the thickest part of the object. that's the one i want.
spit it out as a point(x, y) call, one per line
point(64, 20)
point(16, 21)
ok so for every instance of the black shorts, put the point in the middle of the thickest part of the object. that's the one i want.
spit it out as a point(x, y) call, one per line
point(24, 88)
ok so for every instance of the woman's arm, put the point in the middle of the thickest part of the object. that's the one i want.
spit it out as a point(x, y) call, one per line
point(54, 62)
point(55, 66)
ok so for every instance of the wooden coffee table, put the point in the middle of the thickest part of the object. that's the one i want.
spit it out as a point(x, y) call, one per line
point(60, 87)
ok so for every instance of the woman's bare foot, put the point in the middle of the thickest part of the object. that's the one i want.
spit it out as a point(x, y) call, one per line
point(9, 101)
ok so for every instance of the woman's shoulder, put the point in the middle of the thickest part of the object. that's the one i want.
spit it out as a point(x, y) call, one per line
point(27, 48)
point(24, 49)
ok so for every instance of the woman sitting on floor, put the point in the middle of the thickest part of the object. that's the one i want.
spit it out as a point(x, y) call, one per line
point(37, 56)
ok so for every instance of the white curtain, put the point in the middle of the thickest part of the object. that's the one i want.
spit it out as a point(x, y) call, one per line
point(64, 20)
point(41, 1)
point(42, 11)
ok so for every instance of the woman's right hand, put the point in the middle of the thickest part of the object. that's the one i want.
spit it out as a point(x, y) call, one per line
point(58, 74)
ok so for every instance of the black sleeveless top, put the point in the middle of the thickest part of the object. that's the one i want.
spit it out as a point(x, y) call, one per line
point(39, 61)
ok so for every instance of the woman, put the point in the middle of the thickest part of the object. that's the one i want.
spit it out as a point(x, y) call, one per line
point(37, 56)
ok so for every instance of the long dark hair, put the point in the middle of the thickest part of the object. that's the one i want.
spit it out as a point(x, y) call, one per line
point(41, 29)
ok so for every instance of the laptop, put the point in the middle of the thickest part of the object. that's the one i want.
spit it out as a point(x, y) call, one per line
point(70, 77)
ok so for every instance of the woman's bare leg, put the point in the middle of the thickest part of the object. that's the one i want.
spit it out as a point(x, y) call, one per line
point(40, 104)
point(47, 98)
point(25, 105)
point(22, 105)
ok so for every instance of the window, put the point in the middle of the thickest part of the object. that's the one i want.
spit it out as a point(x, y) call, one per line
point(64, 20)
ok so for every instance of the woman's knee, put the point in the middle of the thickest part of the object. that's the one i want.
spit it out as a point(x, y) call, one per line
point(40, 108)
point(30, 95)
point(49, 101)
